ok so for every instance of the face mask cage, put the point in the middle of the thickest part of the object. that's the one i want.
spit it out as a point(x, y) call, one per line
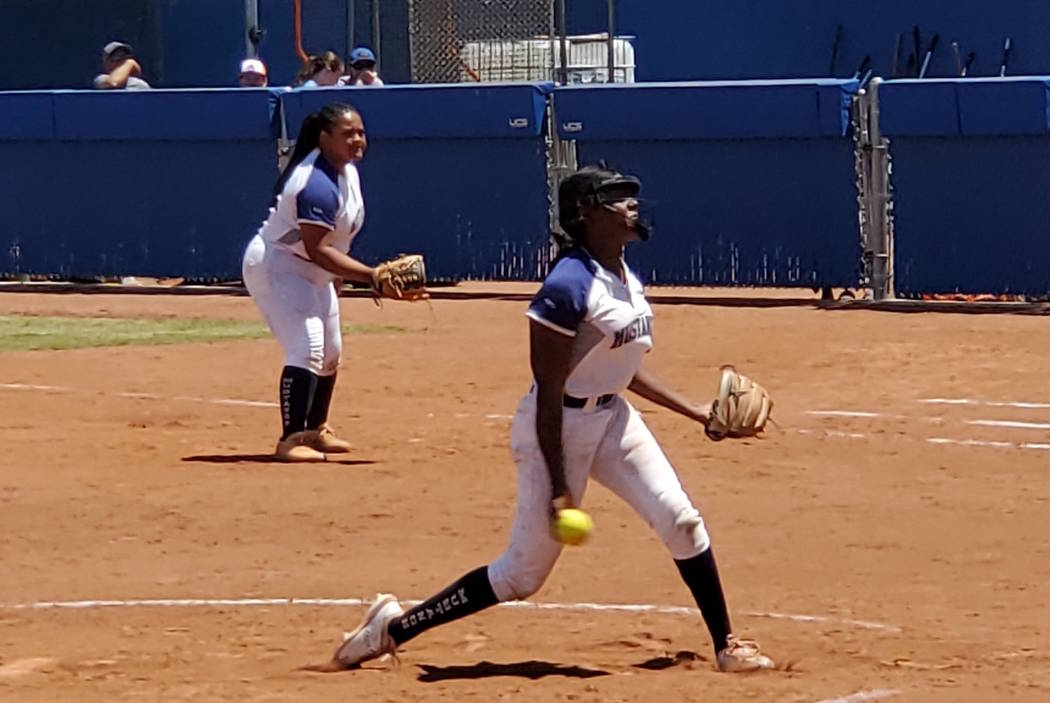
point(611, 196)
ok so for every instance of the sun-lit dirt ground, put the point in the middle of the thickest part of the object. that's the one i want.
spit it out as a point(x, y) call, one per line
point(862, 555)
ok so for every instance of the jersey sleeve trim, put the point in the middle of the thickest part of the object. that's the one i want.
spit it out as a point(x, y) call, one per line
point(318, 201)
point(550, 325)
point(319, 223)
point(562, 301)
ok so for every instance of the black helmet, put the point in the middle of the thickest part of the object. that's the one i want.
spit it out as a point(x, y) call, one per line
point(598, 184)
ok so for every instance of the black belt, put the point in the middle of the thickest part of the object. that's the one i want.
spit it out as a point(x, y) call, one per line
point(573, 402)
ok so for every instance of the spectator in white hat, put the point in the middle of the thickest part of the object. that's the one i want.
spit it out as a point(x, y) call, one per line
point(120, 69)
point(253, 74)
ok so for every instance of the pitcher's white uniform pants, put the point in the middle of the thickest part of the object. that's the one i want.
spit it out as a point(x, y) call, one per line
point(299, 303)
point(613, 445)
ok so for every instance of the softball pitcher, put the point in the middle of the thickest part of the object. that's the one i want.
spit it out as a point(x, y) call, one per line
point(590, 325)
point(294, 267)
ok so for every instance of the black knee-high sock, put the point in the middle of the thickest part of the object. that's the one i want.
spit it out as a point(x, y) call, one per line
point(297, 390)
point(318, 414)
point(701, 575)
point(466, 596)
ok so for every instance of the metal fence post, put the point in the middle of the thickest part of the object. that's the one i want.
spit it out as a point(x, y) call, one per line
point(561, 161)
point(860, 106)
point(881, 202)
point(610, 28)
point(351, 42)
point(377, 46)
point(563, 49)
point(251, 26)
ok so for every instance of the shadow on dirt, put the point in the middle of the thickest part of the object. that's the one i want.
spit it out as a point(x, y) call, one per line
point(683, 658)
point(263, 459)
point(531, 670)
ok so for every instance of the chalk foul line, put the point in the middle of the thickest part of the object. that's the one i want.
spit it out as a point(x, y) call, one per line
point(869, 415)
point(989, 403)
point(1015, 424)
point(991, 444)
point(861, 414)
point(143, 396)
point(875, 694)
point(354, 602)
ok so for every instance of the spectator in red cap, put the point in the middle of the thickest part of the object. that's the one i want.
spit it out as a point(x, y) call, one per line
point(253, 74)
point(121, 70)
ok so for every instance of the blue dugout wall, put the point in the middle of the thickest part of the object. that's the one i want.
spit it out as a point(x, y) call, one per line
point(158, 183)
point(751, 183)
point(971, 178)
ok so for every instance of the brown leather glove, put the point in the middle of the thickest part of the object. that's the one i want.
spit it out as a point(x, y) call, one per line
point(403, 278)
point(740, 409)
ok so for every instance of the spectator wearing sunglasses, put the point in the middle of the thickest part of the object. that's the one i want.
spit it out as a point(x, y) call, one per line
point(362, 69)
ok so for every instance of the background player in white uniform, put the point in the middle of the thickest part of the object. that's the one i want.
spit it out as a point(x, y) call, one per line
point(590, 326)
point(295, 266)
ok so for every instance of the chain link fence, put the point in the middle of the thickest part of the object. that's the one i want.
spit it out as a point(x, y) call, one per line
point(480, 40)
point(453, 41)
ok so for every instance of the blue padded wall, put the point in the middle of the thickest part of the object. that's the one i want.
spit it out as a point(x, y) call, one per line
point(750, 184)
point(971, 173)
point(165, 183)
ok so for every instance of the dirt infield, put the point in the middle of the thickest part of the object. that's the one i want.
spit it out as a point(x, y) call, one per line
point(889, 547)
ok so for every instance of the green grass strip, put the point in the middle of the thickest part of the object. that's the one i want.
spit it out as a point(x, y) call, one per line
point(26, 332)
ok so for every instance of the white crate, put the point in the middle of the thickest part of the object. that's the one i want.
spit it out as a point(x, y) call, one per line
point(538, 59)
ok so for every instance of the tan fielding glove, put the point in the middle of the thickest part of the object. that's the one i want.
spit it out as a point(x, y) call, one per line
point(741, 408)
point(403, 278)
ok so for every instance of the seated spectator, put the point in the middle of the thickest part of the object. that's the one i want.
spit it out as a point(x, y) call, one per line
point(320, 71)
point(121, 70)
point(253, 74)
point(362, 68)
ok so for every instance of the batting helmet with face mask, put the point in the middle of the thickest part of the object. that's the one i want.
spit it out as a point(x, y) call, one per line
point(594, 185)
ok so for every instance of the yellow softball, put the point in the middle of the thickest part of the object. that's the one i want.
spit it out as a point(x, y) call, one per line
point(572, 526)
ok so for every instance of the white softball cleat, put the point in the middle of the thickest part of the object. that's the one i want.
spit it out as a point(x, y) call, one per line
point(741, 656)
point(370, 640)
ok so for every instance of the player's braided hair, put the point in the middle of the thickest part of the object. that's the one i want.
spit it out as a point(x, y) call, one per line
point(570, 219)
point(310, 137)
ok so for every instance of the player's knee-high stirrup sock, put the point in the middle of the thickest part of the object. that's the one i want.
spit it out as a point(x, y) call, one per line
point(700, 574)
point(322, 399)
point(466, 596)
point(297, 390)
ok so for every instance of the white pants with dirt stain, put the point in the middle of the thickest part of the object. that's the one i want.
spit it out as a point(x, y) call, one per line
point(612, 444)
point(299, 303)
